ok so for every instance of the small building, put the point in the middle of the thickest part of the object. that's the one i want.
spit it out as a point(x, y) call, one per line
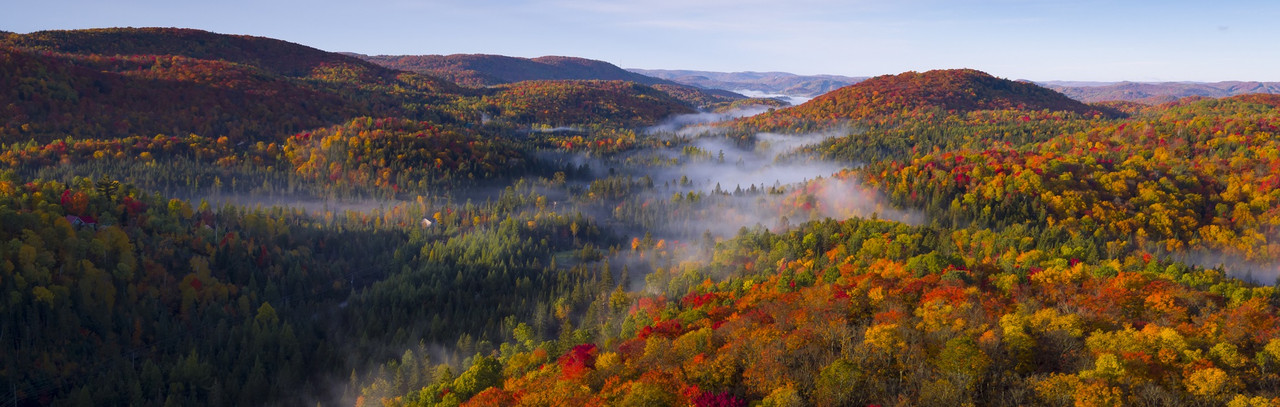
point(82, 221)
point(426, 222)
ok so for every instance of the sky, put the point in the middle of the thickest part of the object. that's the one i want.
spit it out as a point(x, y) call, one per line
point(1078, 40)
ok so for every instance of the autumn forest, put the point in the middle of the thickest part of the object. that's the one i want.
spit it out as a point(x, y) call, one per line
point(191, 218)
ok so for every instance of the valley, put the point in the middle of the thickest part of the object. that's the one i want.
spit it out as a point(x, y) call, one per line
point(193, 218)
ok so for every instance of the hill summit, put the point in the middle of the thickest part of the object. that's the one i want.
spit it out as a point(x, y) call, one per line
point(952, 90)
point(272, 55)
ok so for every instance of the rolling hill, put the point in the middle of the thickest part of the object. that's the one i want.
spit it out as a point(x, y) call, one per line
point(53, 95)
point(106, 83)
point(486, 70)
point(480, 70)
point(272, 55)
point(122, 82)
point(565, 102)
point(954, 90)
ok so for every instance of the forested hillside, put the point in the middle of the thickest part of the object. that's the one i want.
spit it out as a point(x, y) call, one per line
point(113, 83)
point(1064, 260)
point(906, 95)
point(272, 55)
point(479, 70)
point(125, 82)
point(561, 103)
point(487, 70)
point(189, 218)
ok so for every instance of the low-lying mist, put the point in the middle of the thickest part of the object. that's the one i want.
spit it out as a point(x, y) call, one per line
point(307, 204)
point(1256, 271)
point(711, 161)
point(561, 129)
point(792, 99)
point(717, 185)
point(695, 123)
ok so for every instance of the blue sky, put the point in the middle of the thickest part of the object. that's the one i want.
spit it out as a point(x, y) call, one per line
point(1019, 39)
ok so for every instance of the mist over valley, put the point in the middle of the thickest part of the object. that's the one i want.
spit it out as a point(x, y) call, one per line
point(195, 218)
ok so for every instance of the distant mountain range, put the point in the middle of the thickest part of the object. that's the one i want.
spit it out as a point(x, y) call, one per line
point(1156, 93)
point(767, 82)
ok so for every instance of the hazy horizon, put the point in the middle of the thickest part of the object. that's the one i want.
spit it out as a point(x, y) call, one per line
point(1038, 40)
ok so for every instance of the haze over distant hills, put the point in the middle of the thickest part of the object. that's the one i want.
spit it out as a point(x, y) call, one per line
point(1157, 92)
point(767, 82)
